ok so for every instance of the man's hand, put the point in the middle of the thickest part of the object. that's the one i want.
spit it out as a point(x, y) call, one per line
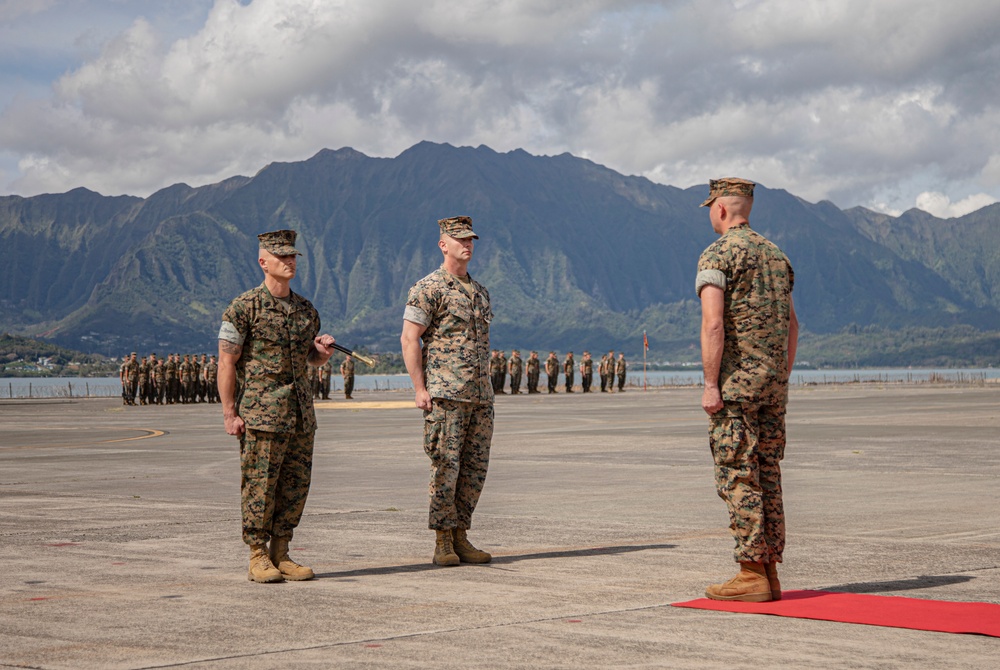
point(711, 399)
point(324, 344)
point(234, 424)
point(423, 400)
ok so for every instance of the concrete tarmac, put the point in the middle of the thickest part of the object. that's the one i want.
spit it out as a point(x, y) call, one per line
point(120, 536)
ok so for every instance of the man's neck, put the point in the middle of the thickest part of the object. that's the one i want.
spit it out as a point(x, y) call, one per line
point(457, 268)
point(729, 225)
point(277, 287)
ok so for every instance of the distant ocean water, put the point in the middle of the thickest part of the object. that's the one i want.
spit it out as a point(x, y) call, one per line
point(107, 387)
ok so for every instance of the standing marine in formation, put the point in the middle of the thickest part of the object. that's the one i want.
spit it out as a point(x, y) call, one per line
point(569, 369)
point(514, 366)
point(552, 371)
point(268, 340)
point(586, 372)
point(622, 370)
point(446, 348)
point(749, 334)
point(532, 366)
point(347, 372)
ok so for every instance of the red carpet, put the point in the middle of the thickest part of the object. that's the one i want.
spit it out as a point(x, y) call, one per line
point(891, 611)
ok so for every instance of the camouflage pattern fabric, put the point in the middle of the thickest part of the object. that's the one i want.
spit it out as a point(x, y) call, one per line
point(515, 365)
point(533, 365)
point(159, 382)
point(347, 370)
point(170, 375)
point(456, 343)
point(212, 381)
point(747, 435)
point(621, 367)
point(132, 374)
point(552, 372)
point(272, 374)
point(748, 443)
point(758, 289)
point(587, 374)
point(276, 472)
point(326, 373)
point(569, 369)
point(502, 368)
point(457, 438)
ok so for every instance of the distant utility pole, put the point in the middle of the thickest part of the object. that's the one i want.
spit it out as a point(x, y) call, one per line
point(645, 348)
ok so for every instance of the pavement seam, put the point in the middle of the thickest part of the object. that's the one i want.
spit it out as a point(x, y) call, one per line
point(404, 636)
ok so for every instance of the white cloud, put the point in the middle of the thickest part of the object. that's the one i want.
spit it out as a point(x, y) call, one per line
point(942, 207)
point(859, 102)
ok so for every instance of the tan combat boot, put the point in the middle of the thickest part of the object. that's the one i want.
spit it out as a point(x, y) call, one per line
point(261, 569)
point(466, 552)
point(444, 551)
point(289, 569)
point(772, 580)
point(749, 586)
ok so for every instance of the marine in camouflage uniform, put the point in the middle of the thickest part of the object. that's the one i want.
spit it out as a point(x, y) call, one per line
point(621, 368)
point(132, 376)
point(501, 373)
point(158, 378)
point(532, 366)
point(446, 347)
point(347, 372)
point(569, 370)
point(602, 370)
point(185, 373)
point(267, 343)
point(552, 371)
point(314, 382)
point(211, 380)
point(586, 372)
point(201, 385)
point(325, 380)
point(749, 336)
point(143, 381)
point(170, 375)
point(515, 366)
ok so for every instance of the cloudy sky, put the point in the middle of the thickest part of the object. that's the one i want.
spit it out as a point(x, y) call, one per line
point(888, 104)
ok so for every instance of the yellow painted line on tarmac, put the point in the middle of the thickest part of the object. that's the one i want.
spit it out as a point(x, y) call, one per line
point(370, 404)
point(149, 433)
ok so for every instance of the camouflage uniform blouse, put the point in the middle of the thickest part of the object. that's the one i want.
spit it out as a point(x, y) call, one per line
point(456, 344)
point(272, 374)
point(757, 279)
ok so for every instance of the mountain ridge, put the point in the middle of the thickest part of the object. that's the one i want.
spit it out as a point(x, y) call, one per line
point(575, 254)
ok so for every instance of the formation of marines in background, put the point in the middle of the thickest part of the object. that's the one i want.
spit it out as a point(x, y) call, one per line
point(609, 370)
point(175, 380)
point(189, 379)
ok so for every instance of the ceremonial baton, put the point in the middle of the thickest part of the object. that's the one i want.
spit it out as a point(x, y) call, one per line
point(361, 357)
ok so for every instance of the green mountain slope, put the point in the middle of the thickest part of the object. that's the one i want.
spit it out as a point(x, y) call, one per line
point(575, 255)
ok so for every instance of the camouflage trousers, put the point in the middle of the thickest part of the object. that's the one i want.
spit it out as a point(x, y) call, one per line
point(748, 443)
point(277, 468)
point(515, 382)
point(457, 438)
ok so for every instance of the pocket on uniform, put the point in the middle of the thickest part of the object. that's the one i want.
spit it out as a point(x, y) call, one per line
point(728, 439)
point(460, 310)
point(434, 422)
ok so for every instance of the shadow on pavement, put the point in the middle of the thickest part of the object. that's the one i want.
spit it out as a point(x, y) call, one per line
point(500, 560)
point(923, 582)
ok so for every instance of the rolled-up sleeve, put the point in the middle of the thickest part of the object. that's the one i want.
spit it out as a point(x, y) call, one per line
point(709, 278)
point(416, 315)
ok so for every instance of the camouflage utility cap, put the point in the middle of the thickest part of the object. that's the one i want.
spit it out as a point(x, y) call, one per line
point(458, 227)
point(279, 242)
point(718, 188)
